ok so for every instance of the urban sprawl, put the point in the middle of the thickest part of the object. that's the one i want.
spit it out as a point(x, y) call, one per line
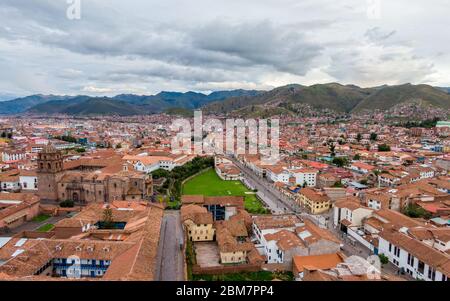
point(106, 198)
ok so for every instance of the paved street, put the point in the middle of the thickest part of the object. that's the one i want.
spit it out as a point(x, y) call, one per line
point(170, 258)
point(272, 197)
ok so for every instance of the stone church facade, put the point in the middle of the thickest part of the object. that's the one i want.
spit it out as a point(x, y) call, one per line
point(90, 180)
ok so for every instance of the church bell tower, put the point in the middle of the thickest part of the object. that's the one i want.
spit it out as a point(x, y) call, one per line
point(50, 167)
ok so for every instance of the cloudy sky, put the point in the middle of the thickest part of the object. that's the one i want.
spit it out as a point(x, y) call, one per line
point(145, 46)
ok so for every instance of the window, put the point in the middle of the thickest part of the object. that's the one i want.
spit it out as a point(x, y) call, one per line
point(390, 247)
point(410, 260)
point(431, 273)
point(421, 267)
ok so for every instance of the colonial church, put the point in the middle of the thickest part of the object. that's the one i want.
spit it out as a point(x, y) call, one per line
point(99, 179)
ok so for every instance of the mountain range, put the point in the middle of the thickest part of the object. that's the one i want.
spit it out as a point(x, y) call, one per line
point(335, 97)
point(124, 104)
point(289, 99)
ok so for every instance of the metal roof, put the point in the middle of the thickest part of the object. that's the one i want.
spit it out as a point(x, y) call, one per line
point(4, 241)
point(20, 242)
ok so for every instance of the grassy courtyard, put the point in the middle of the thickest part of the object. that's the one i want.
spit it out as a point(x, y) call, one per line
point(41, 217)
point(209, 184)
point(46, 228)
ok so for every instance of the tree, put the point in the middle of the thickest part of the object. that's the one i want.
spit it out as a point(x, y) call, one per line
point(338, 184)
point(384, 148)
point(160, 173)
point(67, 204)
point(107, 218)
point(415, 211)
point(340, 162)
point(383, 258)
point(332, 148)
point(373, 136)
point(119, 146)
point(358, 137)
point(356, 157)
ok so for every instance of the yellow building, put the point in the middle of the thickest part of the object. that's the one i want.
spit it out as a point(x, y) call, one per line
point(198, 223)
point(315, 201)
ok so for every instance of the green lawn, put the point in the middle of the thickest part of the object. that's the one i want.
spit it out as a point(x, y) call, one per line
point(46, 228)
point(41, 217)
point(209, 184)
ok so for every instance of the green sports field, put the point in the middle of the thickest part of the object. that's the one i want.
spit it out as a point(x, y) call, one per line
point(209, 184)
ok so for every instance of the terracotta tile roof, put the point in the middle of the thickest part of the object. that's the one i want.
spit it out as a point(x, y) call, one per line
point(26, 200)
point(316, 233)
point(226, 201)
point(396, 218)
point(317, 262)
point(351, 203)
point(198, 215)
point(133, 259)
point(227, 242)
point(276, 221)
point(314, 195)
point(420, 250)
point(285, 240)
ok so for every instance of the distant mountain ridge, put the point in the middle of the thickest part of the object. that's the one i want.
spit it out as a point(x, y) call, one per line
point(333, 96)
point(287, 100)
point(22, 104)
point(131, 104)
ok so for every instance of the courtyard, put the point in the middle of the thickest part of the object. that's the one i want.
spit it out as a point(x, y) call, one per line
point(207, 254)
point(209, 184)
